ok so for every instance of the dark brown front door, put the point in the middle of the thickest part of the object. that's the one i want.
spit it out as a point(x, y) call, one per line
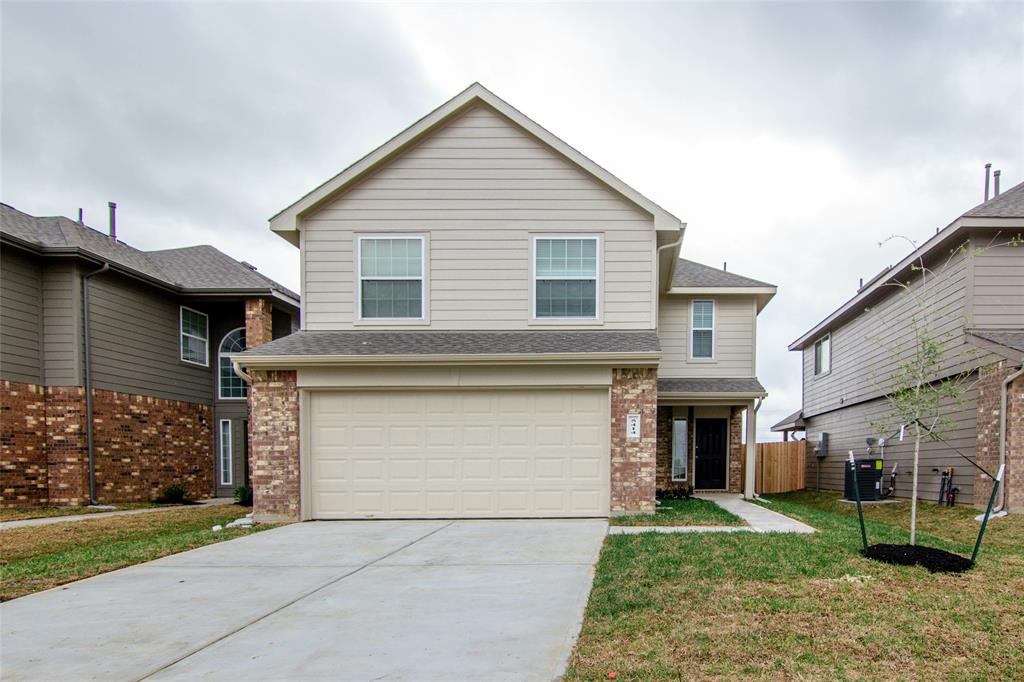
point(711, 447)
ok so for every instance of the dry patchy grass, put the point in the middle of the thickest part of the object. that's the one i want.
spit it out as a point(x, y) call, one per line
point(20, 514)
point(692, 512)
point(40, 557)
point(807, 607)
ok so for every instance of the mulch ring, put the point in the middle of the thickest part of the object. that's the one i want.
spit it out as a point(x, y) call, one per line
point(935, 560)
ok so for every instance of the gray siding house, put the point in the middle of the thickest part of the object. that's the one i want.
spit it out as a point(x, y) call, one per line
point(976, 302)
point(151, 345)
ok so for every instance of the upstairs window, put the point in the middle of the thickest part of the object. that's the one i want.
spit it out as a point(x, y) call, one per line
point(194, 333)
point(702, 330)
point(391, 278)
point(565, 278)
point(231, 386)
point(823, 355)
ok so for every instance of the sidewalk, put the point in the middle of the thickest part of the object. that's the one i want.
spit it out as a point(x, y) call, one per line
point(25, 523)
point(761, 520)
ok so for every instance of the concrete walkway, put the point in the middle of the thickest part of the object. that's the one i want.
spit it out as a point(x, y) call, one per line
point(399, 600)
point(47, 520)
point(760, 520)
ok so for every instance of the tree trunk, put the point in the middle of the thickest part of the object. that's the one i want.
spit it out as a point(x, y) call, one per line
point(913, 491)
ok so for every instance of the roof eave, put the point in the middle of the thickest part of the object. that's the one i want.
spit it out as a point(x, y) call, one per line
point(711, 395)
point(639, 359)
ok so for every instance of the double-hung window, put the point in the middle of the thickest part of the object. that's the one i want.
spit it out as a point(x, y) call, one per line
point(702, 330)
point(391, 278)
point(823, 355)
point(565, 279)
point(194, 327)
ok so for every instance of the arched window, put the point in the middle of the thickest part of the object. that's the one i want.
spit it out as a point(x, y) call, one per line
point(232, 387)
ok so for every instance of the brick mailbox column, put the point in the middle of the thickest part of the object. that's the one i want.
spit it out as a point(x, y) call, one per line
point(274, 435)
point(634, 460)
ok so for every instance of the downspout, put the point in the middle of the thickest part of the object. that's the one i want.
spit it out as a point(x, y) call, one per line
point(1003, 389)
point(237, 368)
point(87, 372)
point(670, 245)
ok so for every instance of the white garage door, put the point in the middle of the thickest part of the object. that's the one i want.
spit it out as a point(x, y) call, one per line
point(445, 453)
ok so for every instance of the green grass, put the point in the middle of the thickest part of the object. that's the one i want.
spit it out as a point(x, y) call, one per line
point(692, 512)
point(20, 514)
point(745, 605)
point(41, 557)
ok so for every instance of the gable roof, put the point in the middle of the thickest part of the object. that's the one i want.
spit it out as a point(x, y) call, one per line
point(193, 269)
point(1009, 204)
point(285, 223)
point(690, 273)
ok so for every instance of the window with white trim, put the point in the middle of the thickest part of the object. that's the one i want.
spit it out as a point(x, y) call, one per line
point(391, 277)
point(680, 449)
point(225, 452)
point(194, 329)
point(702, 330)
point(823, 355)
point(230, 385)
point(565, 277)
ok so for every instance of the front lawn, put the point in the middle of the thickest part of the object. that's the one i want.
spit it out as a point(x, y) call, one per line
point(692, 512)
point(750, 605)
point(22, 513)
point(40, 557)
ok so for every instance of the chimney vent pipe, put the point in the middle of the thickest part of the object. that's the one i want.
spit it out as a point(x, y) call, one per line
point(988, 169)
point(725, 266)
point(80, 216)
point(113, 219)
point(995, 176)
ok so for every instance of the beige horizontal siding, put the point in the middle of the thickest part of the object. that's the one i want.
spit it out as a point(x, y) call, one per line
point(21, 332)
point(62, 333)
point(850, 426)
point(478, 188)
point(734, 337)
point(998, 287)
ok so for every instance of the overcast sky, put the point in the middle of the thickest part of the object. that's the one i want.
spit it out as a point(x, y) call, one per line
point(791, 138)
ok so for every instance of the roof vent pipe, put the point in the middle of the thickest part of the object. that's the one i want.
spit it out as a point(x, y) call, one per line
point(113, 218)
point(995, 175)
point(725, 267)
point(988, 169)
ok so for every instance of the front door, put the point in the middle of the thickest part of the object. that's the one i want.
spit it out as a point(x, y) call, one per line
point(711, 454)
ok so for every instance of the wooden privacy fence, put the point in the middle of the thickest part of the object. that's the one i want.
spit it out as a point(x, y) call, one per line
point(781, 467)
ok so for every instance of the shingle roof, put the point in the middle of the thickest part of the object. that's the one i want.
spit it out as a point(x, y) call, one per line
point(793, 422)
point(532, 342)
point(1009, 204)
point(1011, 338)
point(692, 274)
point(707, 385)
point(194, 267)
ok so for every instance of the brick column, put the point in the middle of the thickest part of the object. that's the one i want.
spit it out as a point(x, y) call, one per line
point(737, 451)
point(274, 434)
point(987, 445)
point(634, 461)
point(259, 323)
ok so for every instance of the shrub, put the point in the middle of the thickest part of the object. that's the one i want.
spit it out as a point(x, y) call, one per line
point(676, 493)
point(243, 495)
point(173, 494)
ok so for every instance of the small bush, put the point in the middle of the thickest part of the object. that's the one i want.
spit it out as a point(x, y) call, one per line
point(173, 494)
point(243, 495)
point(676, 493)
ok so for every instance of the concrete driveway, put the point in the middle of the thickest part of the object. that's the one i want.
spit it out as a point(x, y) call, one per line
point(416, 600)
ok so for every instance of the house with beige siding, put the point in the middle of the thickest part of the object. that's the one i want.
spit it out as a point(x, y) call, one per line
point(114, 373)
point(495, 326)
point(976, 305)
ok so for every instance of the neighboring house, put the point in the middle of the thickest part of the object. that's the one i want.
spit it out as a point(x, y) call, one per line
point(495, 326)
point(152, 345)
point(977, 304)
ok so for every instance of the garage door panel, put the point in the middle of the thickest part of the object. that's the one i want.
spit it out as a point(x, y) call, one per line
point(451, 453)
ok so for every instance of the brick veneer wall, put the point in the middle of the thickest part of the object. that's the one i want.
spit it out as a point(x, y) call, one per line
point(274, 434)
point(633, 462)
point(22, 444)
point(142, 444)
point(259, 322)
point(987, 449)
point(737, 451)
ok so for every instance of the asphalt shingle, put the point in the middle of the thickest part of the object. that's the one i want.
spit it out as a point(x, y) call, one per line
point(709, 385)
point(689, 273)
point(1011, 338)
point(1009, 204)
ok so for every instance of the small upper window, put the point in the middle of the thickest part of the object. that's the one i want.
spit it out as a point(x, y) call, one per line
point(823, 355)
point(702, 330)
point(194, 334)
point(565, 278)
point(232, 386)
point(391, 277)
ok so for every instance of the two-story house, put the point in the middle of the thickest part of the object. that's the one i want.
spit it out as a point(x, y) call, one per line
point(975, 300)
point(495, 326)
point(114, 373)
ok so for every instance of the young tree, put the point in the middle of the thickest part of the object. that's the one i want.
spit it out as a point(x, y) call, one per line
point(930, 378)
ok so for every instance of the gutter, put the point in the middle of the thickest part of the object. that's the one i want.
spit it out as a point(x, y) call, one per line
point(87, 371)
point(1004, 387)
point(671, 245)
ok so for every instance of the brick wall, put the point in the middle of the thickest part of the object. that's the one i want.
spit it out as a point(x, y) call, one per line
point(633, 462)
point(737, 451)
point(259, 322)
point(142, 444)
point(22, 444)
point(274, 434)
point(987, 448)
